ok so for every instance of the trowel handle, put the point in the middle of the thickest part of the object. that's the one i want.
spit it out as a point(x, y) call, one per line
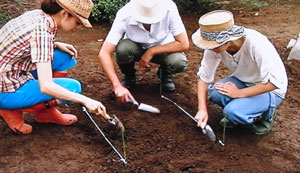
point(107, 117)
point(131, 102)
point(110, 119)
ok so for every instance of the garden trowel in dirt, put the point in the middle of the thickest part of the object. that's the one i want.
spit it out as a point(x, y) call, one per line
point(207, 130)
point(114, 121)
point(145, 107)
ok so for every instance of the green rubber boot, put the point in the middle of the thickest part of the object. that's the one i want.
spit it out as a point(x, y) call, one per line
point(166, 80)
point(263, 126)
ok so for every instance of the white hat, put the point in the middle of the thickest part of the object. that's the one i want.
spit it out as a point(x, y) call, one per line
point(78, 8)
point(148, 11)
point(215, 29)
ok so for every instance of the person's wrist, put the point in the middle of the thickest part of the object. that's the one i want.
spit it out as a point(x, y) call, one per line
point(117, 85)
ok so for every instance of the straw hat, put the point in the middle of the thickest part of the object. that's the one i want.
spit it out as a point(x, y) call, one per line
point(215, 29)
point(78, 8)
point(148, 11)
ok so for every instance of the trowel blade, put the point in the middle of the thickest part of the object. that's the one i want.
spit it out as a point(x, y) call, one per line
point(148, 108)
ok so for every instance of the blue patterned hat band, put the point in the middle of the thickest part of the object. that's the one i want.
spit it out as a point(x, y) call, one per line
point(223, 36)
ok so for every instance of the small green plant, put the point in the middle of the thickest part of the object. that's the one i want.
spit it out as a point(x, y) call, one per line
point(196, 6)
point(4, 17)
point(245, 5)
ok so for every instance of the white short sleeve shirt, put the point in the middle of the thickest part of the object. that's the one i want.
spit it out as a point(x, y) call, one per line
point(160, 33)
point(257, 61)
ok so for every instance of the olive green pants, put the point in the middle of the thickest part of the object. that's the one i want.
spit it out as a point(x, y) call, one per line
point(129, 52)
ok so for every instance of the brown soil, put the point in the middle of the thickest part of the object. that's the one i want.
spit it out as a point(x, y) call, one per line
point(169, 141)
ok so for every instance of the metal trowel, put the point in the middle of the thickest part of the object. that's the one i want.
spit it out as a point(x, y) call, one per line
point(145, 107)
point(114, 121)
point(206, 130)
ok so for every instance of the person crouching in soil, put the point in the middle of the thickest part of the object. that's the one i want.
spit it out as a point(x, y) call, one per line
point(258, 83)
point(145, 31)
point(33, 66)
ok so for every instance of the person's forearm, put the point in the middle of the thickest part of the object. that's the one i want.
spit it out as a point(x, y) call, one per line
point(179, 45)
point(59, 92)
point(202, 95)
point(106, 61)
point(257, 89)
point(109, 69)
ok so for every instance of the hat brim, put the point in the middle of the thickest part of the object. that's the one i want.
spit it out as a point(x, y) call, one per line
point(161, 13)
point(201, 43)
point(148, 20)
point(85, 22)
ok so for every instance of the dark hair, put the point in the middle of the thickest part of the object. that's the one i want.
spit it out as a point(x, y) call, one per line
point(50, 6)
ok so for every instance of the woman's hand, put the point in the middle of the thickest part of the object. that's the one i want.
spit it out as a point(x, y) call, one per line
point(68, 48)
point(96, 107)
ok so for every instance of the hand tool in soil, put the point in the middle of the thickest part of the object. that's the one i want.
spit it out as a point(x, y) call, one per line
point(145, 107)
point(114, 121)
point(205, 130)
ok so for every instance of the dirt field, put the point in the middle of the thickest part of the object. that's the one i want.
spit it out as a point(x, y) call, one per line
point(169, 141)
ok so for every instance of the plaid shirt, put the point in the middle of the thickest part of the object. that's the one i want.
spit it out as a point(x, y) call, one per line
point(25, 41)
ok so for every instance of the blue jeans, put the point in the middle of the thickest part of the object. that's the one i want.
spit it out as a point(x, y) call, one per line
point(29, 94)
point(244, 110)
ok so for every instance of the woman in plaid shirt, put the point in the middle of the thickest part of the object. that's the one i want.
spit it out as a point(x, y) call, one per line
point(33, 66)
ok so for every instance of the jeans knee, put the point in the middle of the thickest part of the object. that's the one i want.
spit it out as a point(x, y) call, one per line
point(126, 51)
point(69, 84)
point(230, 114)
point(76, 86)
point(236, 116)
point(62, 61)
point(60, 53)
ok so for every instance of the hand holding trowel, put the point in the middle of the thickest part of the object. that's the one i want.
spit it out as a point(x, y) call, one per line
point(206, 130)
point(145, 107)
point(113, 120)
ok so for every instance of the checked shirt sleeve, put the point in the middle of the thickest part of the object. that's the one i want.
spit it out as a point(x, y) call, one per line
point(42, 44)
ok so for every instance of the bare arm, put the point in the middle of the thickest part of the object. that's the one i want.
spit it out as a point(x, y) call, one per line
point(202, 114)
point(49, 87)
point(105, 59)
point(180, 44)
point(231, 90)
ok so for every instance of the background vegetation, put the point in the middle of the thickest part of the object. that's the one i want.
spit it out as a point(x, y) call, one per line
point(105, 10)
point(10, 11)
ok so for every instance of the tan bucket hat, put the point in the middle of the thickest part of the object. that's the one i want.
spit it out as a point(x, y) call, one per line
point(215, 29)
point(148, 11)
point(78, 8)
